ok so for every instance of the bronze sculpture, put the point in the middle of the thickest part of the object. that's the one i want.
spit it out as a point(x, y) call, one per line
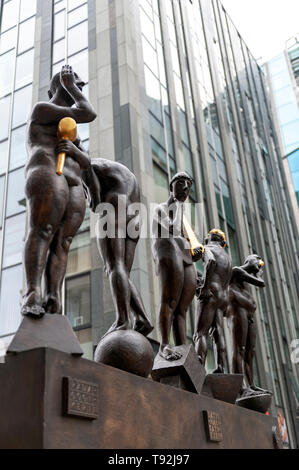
point(242, 307)
point(174, 265)
point(112, 183)
point(213, 297)
point(56, 203)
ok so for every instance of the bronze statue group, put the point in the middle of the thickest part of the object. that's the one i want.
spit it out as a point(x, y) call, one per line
point(56, 203)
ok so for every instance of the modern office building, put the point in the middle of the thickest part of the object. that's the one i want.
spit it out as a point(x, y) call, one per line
point(175, 88)
point(283, 78)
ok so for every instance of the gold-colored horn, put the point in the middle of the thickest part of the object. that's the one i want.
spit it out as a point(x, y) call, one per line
point(194, 243)
point(262, 263)
point(67, 129)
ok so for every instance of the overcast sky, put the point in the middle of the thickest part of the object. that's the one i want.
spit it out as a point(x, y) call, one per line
point(265, 25)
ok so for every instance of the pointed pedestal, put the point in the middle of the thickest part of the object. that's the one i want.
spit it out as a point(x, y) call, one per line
point(186, 373)
point(224, 387)
point(259, 402)
point(50, 331)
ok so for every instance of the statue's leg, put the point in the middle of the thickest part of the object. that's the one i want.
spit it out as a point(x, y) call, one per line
point(205, 316)
point(46, 200)
point(59, 249)
point(112, 251)
point(220, 341)
point(171, 278)
point(188, 293)
point(141, 321)
point(240, 330)
point(250, 353)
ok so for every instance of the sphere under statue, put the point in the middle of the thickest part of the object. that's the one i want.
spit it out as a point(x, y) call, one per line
point(127, 350)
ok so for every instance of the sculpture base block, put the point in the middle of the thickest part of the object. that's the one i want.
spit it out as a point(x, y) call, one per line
point(224, 387)
point(50, 331)
point(52, 400)
point(260, 402)
point(186, 373)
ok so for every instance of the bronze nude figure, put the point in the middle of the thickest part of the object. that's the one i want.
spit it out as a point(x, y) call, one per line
point(110, 182)
point(213, 297)
point(174, 265)
point(56, 202)
point(242, 307)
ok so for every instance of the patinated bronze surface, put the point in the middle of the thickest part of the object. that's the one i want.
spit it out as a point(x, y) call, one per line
point(110, 182)
point(129, 412)
point(174, 264)
point(242, 307)
point(213, 297)
point(56, 203)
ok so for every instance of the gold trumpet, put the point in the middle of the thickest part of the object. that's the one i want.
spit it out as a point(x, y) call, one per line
point(67, 129)
point(197, 249)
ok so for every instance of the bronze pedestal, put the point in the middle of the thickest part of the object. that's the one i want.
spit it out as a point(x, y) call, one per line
point(49, 399)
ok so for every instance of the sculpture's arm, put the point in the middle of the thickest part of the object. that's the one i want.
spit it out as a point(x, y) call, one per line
point(170, 223)
point(209, 267)
point(48, 113)
point(239, 273)
point(75, 151)
point(92, 187)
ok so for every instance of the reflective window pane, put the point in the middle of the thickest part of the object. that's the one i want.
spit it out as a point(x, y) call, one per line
point(8, 40)
point(16, 202)
point(152, 87)
point(77, 300)
point(59, 5)
point(3, 156)
point(78, 15)
point(4, 113)
point(18, 153)
point(10, 300)
point(14, 240)
point(161, 185)
point(59, 25)
point(77, 38)
point(59, 51)
point(26, 35)
point(75, 3)
point(2, 184)
point(22, 106)
point(79, 62)
point(27, 9)
point(57, 67)
point(9, 15)
point(6, 72)
point(24, 71)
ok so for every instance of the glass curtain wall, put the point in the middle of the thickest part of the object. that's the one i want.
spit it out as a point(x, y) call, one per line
point(17, 31)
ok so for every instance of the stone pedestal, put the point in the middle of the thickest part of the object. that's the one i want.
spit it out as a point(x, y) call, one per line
point(49, 399)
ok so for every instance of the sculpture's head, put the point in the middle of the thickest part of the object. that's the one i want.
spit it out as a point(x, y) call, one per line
point(180, 186)
point(216, 235)
point(57, 89)
point(254, 264)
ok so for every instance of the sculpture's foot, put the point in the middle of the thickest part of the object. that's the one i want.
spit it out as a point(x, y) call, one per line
point(143, 327)
point(169, 354)
point(116, 326)
point(219, 370)
point(252, 392)
point(260, 390)
point(32, 307)
point(52, 305)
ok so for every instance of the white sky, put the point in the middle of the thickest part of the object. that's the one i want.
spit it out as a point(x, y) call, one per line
point(265, 25)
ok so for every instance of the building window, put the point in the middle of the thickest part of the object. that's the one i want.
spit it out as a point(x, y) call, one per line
point(77, 301)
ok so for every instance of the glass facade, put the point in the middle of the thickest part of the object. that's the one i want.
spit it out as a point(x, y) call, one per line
point(175, 88)
point(283, 76)
point(17, 34)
